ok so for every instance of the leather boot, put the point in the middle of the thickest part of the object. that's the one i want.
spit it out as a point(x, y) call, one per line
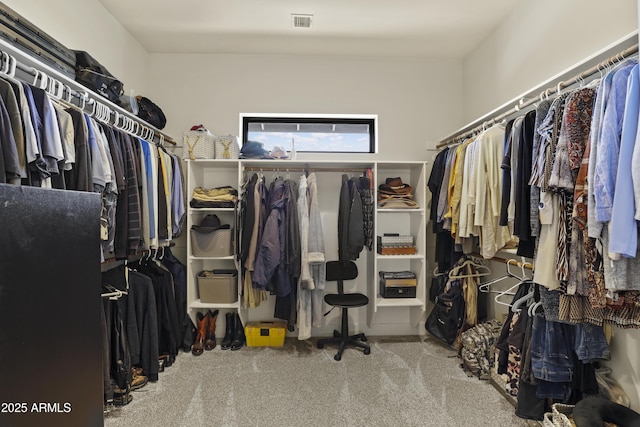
point(198, 345)
point(210, 340)
point(238, 335)
point(229, 331)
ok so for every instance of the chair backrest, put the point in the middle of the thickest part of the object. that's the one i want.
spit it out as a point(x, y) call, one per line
point(338, 271)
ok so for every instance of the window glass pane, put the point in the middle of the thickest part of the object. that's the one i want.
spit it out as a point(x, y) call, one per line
point(348, 135)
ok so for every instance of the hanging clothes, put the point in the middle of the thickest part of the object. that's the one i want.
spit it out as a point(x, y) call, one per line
point(350, 221)
point(312, 279)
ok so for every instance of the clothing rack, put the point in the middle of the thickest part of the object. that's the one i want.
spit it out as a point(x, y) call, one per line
point(21, 66)
point(110, 263)
point(550, 87)
point(298, 169)
point(113, 293)
point(514, 262)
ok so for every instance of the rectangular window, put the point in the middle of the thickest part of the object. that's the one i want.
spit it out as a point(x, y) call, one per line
point(312, 133)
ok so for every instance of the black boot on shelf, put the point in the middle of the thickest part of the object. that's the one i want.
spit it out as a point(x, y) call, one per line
point(229, 331)
point(238, 335)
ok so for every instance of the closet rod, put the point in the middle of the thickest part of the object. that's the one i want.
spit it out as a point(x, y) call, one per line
point(529, 98)
point(298, 169)
point(62, 87)
point(513, 262)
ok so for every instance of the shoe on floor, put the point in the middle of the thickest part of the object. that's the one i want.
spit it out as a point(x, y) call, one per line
point(138, 382)
point(122, 399)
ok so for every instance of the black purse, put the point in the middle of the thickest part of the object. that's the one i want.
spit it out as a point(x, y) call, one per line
point(93, 75)
point(150, 112)
point(438, 284)
point(447, 316)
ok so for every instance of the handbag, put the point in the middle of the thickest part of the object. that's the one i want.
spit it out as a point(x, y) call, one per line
point(438, 284)
point(227, 147)
point(447, 316)
point(93, 75)
point(200, 144)
point(150, 112)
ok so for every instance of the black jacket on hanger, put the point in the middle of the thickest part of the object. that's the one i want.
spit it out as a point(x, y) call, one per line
point(350, 221)
point(140, 317)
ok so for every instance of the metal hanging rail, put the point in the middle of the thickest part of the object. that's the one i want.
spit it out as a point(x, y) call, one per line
point(19, 65)
point(548, 88)
point(299, 169)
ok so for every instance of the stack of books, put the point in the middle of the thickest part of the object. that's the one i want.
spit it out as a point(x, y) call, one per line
point(396, 244)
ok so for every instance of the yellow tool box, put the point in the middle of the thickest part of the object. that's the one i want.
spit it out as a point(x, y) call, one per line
point(265, 334)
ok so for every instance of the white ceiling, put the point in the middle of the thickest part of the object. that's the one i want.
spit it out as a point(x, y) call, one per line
point(432, 28)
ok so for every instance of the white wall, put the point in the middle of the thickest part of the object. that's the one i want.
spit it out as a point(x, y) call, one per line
point(538, 40)
point(87, 25)
point(415, 99)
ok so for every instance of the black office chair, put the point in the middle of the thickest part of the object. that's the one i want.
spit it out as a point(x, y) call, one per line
point(339, 271)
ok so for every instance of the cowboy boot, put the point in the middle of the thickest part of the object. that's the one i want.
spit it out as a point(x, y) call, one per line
point(198, 345)
point(210, 340)
point(229, 331)
point(238, 335)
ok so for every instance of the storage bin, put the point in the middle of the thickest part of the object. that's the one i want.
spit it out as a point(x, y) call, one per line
point(398, 288)
point(265, 334)
point(218, 286)
point(215, 244)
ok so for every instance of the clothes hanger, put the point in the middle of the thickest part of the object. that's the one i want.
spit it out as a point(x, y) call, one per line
point(485, 270)
point(533, 308)
point(5, 63)
point(503, 293)
point(517, 303)
point(510, 292)
point(522, 266)
point(436, 273)
point(484, 287)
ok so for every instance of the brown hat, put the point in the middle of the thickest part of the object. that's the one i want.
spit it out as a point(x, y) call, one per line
point(395, 186)
point(209, 224)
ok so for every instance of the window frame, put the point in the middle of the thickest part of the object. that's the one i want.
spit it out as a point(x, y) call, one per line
point(370, 119)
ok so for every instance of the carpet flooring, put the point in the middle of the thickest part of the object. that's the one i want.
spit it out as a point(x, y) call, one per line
point(407, 381)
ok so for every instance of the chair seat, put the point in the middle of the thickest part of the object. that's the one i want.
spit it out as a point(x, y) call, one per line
point(346, 300)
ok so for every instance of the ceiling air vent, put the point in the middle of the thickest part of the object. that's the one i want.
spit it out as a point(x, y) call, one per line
point(301, 21)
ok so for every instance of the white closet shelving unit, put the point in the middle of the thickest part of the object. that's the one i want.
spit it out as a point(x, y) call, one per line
point(208, 174)
point(216, 173)
point(405, 222)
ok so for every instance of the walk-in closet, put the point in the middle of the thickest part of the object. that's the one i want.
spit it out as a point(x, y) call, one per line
point(370, 213)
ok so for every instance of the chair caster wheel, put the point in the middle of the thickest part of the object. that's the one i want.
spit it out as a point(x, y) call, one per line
point(320, 345)
point(337, 357)
point(363, 339)
point(367, 351)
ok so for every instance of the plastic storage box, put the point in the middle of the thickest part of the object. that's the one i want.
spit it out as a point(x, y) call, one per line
point(216, 244)
point(218, 286)
point(265, 334)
